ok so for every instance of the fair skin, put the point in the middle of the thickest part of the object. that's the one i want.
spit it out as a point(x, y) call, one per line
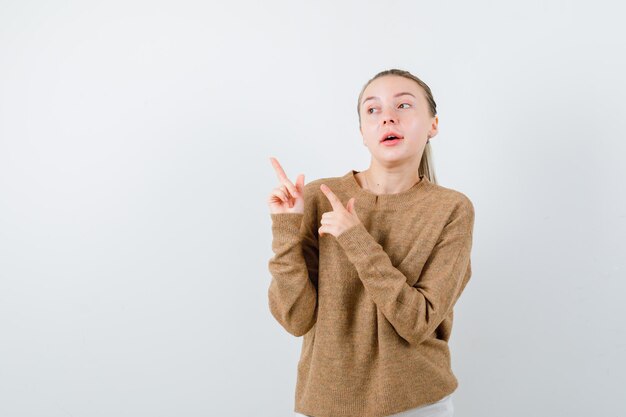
point(392, 169)
point(287, 198)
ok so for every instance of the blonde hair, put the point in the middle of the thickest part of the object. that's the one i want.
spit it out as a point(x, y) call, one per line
point(426, 163)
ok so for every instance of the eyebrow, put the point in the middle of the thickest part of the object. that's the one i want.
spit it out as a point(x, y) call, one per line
point(397, 95)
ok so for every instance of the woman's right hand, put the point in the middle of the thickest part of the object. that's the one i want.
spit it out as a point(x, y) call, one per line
point(287, 197)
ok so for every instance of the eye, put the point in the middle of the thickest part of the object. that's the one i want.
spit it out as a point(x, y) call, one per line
point(371, 108)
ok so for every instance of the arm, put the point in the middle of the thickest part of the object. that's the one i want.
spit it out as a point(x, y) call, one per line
point(292, 292)
point(415, 311)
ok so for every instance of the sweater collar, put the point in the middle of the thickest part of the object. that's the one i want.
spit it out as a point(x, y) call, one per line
point(385, 201)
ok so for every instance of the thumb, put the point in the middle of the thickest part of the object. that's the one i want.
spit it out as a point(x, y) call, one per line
point(300, 184)
point(350, 206)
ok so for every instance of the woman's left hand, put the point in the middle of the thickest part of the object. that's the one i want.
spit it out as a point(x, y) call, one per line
point(341, 218)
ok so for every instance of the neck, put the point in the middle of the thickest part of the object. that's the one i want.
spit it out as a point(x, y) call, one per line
point(389, 181)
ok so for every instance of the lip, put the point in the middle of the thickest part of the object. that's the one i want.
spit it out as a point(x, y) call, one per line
point(391, 132)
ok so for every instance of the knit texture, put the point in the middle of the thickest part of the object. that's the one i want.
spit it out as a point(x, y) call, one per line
point(375, 304)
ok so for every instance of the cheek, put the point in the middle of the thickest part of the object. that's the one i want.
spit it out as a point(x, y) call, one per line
point(373, 139)
point(368, 132)
point(416, 129)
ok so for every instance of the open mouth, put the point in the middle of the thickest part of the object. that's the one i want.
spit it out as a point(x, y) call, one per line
point(391, 137)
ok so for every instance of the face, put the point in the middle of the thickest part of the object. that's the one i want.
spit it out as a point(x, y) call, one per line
point(396, 104)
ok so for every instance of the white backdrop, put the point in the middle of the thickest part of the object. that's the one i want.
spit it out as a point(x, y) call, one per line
point(135, 139)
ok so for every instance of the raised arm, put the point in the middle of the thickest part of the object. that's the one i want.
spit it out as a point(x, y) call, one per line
point(292, 292)
point(415, 311)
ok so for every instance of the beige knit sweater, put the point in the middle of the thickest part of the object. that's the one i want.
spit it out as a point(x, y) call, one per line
point(375, 304)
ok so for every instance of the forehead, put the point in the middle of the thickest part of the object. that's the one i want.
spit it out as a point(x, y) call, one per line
point(389, 85)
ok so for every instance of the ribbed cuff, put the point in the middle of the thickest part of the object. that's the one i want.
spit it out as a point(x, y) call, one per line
point(357, 242)
point(286, 222)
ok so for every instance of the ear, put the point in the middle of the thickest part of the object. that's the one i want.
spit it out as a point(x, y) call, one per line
point(434, 128)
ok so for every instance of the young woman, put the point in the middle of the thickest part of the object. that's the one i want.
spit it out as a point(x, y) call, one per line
point(368, 266)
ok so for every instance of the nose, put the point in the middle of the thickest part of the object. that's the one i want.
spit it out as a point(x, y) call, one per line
point(389, 116)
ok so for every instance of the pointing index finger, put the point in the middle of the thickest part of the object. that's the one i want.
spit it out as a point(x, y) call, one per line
point(279, 169)
point(282, 177)
point(334, 200)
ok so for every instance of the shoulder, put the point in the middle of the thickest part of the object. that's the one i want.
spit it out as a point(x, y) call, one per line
point(454, 198)
point(457, 205)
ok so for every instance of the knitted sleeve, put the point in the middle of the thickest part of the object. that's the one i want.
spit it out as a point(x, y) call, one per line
point(415, 311)
point(292, 292)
